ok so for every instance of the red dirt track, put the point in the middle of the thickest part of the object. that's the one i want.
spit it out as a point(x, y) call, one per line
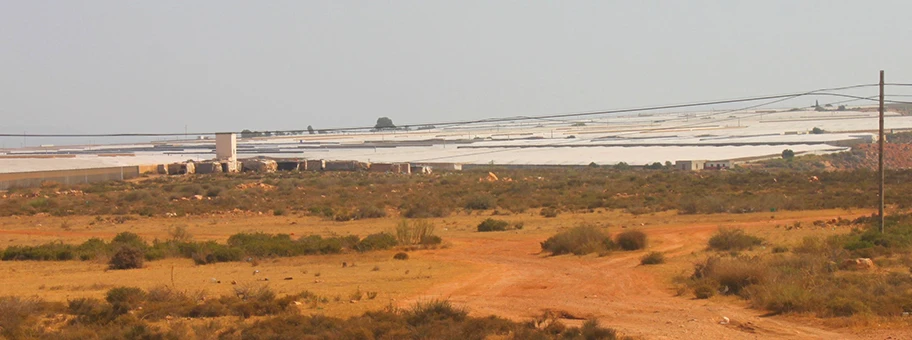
point(519, 283)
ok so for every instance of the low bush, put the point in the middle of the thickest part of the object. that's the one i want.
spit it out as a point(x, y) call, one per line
point(401, 256)
point(480, 202)
point(578, 241)
point(548, 212)
point(732, 275)
point(377, 242)
point(727, 239)
point(119, 316)
point(491, 224)
point(652, 258)
point(631, 240)
point(431, 240)
point(413, 233)
point(369, 211)
point(130, 251)
point(127, 257)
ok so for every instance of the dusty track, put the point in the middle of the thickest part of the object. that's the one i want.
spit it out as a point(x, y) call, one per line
point(519, 283)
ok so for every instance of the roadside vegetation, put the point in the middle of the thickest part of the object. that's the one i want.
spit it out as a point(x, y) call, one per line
point(256, 312)
point(338, 196)
point(128, 250)
point(865, 272)
point(589, 239)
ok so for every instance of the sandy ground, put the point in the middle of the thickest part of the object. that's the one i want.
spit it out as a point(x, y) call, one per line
point(501, 273)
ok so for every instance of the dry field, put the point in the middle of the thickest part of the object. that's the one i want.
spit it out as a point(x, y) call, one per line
point(500, 273)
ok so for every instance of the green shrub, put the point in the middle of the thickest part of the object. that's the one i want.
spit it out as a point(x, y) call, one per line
point(733, 239)
point(377, 242)
point(631, 240)
point(401, 256)
point(578, 241)
point(491, 224)
point(127, 257)
point(653, 258)
point(129, 239)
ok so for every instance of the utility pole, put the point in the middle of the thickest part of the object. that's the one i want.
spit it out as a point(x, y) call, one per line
point(880, 156)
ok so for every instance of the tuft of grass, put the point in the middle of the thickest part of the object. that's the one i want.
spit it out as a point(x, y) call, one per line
point(733, 274)
point(401, 256)
point(652, 258)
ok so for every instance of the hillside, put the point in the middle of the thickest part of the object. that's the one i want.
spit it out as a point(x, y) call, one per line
point(897, 155)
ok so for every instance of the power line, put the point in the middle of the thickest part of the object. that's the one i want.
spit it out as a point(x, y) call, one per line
point(823, 91)
point(499, 150)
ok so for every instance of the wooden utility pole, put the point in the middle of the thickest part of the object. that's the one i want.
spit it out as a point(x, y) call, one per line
point(880, 156)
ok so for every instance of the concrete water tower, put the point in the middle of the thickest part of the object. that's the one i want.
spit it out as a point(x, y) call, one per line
point(226, 150)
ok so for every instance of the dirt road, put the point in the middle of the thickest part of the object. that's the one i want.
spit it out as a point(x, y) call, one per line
point(519, 283)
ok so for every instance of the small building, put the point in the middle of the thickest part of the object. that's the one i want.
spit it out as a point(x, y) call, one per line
point(208, 167)
point(343, 166)
point(288, 165)
point(692, 165)
point(396, 168)
point(443, 166)
point(420, 169)
point(718, 165)
point(226, 151)
point(313, 165)
point(181, 168)
point(260, 165)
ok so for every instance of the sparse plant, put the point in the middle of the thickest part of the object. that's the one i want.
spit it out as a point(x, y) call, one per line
point(652, 258)
point(727, 239)
point(549, 212)
point(401, 256)
point(356, 295)
point(491, 224)
point(631, 240)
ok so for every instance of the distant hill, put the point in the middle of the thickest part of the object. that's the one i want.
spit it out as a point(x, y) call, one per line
point(897, 155)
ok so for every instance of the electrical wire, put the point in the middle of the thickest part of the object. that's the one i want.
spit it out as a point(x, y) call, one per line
point(776, 98)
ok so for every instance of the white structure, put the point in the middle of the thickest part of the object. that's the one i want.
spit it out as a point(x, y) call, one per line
point(226, 150)
point(718, 165)
point(693, 165)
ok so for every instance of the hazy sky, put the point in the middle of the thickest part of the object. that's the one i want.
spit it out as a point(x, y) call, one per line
point(156, 66)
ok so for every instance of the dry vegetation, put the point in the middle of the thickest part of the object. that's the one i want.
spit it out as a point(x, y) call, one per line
point(132, 313)
point(405, 219)
point(354, 196)
point(864, 273)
